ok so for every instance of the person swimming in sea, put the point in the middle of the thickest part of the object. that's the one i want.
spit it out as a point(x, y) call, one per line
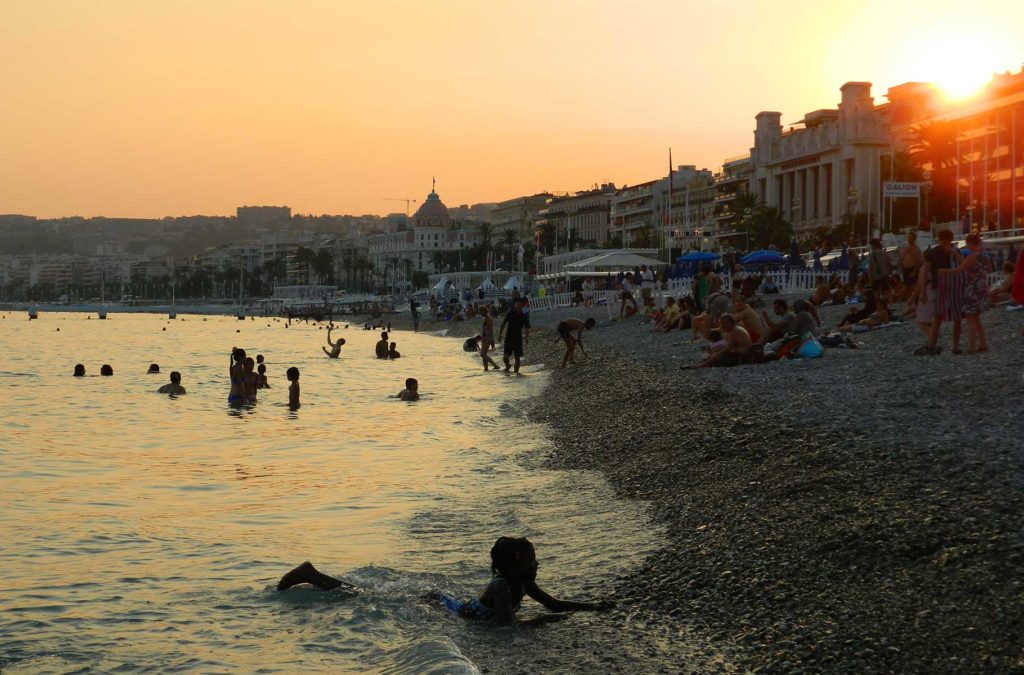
point(106, 370)
point(293, 389)
point(411, 391)
point(261, 376)
point(393, 352)
point(236, 370)
point(335, 346)
point(514, 576)
point(250, 379)
point(174, 387)
point(381, 348)
point(154, 369)
point(79, 370)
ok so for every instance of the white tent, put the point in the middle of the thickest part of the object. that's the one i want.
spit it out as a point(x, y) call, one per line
point(487, 285)
point(513, 283)
point(617, 259)
point(442, 284)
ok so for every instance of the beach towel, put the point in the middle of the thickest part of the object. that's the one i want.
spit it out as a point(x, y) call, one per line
point(951, 295)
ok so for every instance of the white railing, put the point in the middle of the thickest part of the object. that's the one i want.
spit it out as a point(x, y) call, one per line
point(789, 282)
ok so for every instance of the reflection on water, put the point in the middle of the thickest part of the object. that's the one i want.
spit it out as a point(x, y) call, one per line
point(147, 532)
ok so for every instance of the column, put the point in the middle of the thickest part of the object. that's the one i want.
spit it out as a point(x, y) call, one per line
point(786, 207)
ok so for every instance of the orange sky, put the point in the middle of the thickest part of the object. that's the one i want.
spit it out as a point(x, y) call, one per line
point(149, 108)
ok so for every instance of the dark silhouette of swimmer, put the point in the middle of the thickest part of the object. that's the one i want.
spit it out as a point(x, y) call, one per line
point(293, 389)
point(382, 346)
point(174, 387)
point(79, 370)
point(393, 353)
point(106, 370)
point(335, 346)
point(153, 369)
point(411, 391)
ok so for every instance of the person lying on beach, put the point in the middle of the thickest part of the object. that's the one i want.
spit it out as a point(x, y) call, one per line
point(513, 577)
point(293, 389)
point(79, 370)
point(855, 315)
point(881, 315)
point(261, 377)
point(174, 387)
point(411, 391)
point(381, 349)
point(566, 329)
point(736, 350)
point(335, 346)
point(393, 352)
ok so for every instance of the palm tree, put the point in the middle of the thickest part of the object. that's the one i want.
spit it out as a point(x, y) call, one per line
point(304, 258)
point(323, 265)
point(935, 149)
point(508, 242)
point(769, 227)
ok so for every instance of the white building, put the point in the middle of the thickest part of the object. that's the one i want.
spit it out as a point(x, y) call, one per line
point(583, 216)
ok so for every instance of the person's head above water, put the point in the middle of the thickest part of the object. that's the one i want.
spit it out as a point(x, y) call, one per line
point(79, 370)
point(384, 335)
point(106, 369)
point(514, 558)
point(259, 358)
point(262, 368)
point(238, 354)
point(153, 368)
point(393, 345)
point(411, 384)
point(175, 377)
point(292, 374)
point(249, 364)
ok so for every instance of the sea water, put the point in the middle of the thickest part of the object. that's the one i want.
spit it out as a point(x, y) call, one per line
point(143, 532)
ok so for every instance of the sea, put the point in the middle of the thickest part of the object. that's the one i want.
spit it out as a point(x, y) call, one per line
point(141, 532)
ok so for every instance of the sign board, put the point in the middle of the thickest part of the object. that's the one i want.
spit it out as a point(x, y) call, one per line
point(892, 190)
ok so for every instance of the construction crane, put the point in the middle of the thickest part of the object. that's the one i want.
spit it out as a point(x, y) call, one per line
point(400, 199)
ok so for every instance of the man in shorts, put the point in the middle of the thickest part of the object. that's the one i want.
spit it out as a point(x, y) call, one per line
point(518, 324)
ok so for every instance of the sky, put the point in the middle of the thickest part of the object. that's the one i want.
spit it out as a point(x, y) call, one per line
point(149, 108)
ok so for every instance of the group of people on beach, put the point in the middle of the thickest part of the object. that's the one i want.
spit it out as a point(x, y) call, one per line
point(248, 375)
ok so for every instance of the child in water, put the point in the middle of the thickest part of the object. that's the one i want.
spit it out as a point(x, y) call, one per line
point(261, 378)
point(514, 576)
point(411, 391)
point(293, 389)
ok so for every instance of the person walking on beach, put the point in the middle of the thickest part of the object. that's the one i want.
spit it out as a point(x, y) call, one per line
point(566, 329)
point(335, 346)
point(487, 339)
point(910, 261)
point(381, 349)
point(518, 325)
point(976, 267)
point(174, 387)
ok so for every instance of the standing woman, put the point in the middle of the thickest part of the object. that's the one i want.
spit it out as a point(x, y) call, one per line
point(910, 262)
point(976, 267)
point(236, 370)
point(487, 338)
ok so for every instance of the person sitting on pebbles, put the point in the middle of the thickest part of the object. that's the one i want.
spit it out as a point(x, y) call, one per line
point(173, 387)
point(736, 349)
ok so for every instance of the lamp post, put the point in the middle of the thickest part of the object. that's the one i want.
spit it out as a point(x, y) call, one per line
point(796, 213)
point(851, 202)
point(927, 187)
point(748, 214)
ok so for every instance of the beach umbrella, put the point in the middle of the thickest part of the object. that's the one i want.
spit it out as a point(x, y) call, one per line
point(513, 283)
point(764, 257)
point(698, 256)
point(487, 285)
point(442, 284)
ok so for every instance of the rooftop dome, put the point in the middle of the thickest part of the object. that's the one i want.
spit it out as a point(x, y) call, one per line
point(433, 212)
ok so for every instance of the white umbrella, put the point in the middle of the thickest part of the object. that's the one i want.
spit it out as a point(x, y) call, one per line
point(487, 285)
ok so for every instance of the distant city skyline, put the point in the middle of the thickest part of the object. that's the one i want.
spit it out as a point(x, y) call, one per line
point(142, 110)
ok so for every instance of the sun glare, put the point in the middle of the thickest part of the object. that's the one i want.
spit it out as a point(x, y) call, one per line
point(959, 64)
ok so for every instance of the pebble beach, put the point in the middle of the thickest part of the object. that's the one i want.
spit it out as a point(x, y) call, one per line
point(860, 512)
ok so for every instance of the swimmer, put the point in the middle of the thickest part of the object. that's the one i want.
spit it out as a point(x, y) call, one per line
point(335, 346)
point(293, 389)
point(514, 576)
point(411, 391)
point(566, 329)
point(236, 370)
point(381, 349)
point(173, 388)
point(261, 377)
point(154, 369)
point(106, 370)
point(79, 370)
point(250, 380)
point(259, 358)
point(393, 353)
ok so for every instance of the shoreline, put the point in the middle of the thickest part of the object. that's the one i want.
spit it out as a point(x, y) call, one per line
point(854, 513)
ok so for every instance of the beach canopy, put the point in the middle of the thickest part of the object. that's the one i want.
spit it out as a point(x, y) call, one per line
point(764, 257)
point(617, 259)
point(513, 283)
point(487, 285)
point(442, 284)
point(698, 256)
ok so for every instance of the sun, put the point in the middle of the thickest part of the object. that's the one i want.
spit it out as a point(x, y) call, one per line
point(958, 64)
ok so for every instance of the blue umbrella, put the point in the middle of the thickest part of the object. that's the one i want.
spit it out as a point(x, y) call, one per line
point(698, 256)
point(764, 257)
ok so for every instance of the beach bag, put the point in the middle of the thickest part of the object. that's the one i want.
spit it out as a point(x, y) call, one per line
point(788, 348)
point(810, 348)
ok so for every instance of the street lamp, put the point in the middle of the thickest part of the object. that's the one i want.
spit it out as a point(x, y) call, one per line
point(796, 212)
point(748, 214)
point(851, 202)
